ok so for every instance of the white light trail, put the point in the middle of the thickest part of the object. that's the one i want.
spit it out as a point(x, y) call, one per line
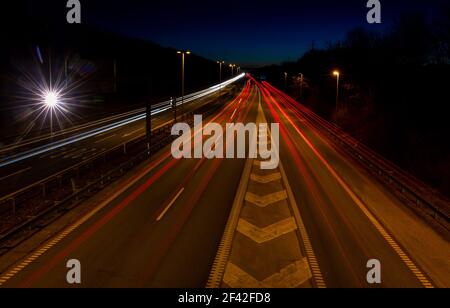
point(160, 107)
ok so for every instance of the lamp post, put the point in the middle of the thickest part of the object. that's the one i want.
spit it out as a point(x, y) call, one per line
point(232, 69)
point(220, 72)
point(115, 74)
point(148, 124)
point(182, 53)
point(173, 103)
point(301, 85)
point(285, 80)
point(337, 74)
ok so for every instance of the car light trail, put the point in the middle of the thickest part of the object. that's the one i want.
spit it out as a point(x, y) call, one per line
point(124, 203)
point(359, 202)
point(159, 108)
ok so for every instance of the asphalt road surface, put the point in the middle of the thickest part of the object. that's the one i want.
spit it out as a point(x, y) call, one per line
point(163, 228)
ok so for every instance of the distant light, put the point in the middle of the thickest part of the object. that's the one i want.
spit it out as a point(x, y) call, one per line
point(39, 54)
point(188, 52)
point(336, 73)
point(51, 99)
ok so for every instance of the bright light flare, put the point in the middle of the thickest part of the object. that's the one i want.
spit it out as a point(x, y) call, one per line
point(336, 73)
point(51, 99)
point(48, 96)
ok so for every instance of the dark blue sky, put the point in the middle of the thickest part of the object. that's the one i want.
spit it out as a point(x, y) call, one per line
point(246, 31)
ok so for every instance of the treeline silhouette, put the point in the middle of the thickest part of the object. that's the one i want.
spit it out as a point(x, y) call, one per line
point(394, 91)
point(114, 72)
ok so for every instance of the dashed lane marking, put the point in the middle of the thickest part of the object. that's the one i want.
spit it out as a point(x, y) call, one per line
point(57, 238)
point(133, 132)
point(170, 204)
point(106, 138)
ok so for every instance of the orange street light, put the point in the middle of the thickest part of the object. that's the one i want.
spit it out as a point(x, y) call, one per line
point(232, 68)
point(337, 74)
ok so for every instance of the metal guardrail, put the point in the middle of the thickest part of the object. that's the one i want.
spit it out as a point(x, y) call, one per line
point(122, 146)
point(410, 188)
point(79, 181)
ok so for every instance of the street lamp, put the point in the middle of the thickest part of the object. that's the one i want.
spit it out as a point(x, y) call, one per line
point(232, 68)
point(52, 102)
point(182, 53)
point(220, 70)
point(301, 84)
point(337, 74)
point(285, 80)
point(51, 99)
point(220, 73)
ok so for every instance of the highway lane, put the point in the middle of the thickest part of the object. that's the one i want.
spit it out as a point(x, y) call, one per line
point(351, 218)
point(162, 230)
point(34, 169)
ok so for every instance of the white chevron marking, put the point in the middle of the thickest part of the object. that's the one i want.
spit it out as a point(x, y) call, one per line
point(264, 179)
point(261, 235)
point(263, 201)
point(291, 276)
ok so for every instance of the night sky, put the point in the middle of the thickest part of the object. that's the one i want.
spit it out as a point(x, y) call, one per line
point(246, 32)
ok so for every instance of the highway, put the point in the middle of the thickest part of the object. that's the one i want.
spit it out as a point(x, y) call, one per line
point(27, 171)
point(163, 226)
point(350, 217)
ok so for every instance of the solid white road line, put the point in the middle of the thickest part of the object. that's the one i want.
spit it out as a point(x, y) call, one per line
point(234, 112)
